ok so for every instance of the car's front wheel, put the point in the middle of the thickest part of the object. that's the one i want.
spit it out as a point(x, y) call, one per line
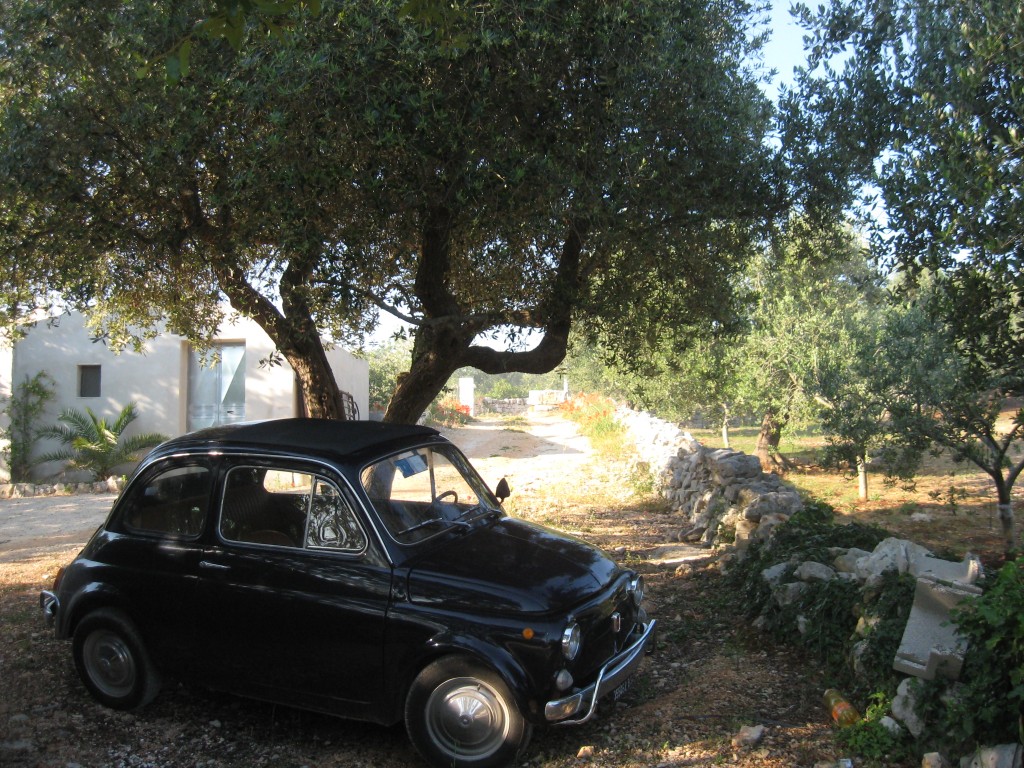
point(112, 660)
point(460, 713)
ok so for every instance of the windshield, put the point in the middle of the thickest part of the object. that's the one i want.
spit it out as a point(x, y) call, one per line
point(421, 492)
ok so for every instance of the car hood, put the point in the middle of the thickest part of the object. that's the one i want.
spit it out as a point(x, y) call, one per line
point(509, 566)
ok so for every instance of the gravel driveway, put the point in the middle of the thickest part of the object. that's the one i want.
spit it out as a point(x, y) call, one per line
point(43, 524)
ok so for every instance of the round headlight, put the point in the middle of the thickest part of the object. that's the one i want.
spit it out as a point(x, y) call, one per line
point(571, 641)
point(636, 589)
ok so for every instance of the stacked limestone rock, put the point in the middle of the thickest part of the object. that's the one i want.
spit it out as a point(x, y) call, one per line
point(721, 492)
point(720, 495)
point(31, 490)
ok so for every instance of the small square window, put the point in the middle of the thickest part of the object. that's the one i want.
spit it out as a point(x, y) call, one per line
point(88, 381)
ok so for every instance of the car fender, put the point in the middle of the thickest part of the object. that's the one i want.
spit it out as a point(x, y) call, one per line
point(86, 599)
point(487, 653)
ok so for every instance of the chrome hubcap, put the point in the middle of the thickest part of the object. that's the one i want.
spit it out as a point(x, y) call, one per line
point(110, 663)
point(467, 718)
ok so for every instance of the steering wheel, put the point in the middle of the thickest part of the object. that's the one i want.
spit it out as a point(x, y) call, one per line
point(453, 494)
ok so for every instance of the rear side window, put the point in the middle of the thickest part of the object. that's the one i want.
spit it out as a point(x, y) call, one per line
point(279, 507)
point(332, 523)
point(171, 502)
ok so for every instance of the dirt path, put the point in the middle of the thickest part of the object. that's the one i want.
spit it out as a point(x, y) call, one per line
point(34, 526)
point(532, 452)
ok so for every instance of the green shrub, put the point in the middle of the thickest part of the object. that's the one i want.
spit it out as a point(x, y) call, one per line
point(96, 446)
point(885, 611)
point(872, 742)
point(809, 534)
point(23, 409)
point(503, 389)
point(828, 611)
point(595, 415)
point(447, 412)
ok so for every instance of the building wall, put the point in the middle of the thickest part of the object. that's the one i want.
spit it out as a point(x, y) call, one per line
point(6, 381)
point(156, 380)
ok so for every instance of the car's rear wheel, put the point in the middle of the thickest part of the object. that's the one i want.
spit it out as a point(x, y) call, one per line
point(112, 660)
point(460, 713)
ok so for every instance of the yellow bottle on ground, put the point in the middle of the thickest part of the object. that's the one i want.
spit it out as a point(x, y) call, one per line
point(842, 711)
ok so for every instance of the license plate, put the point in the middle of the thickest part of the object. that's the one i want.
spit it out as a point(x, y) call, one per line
point(619, 692)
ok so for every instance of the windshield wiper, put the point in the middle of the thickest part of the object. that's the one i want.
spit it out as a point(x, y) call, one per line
point(432, 521)
point(480, 510)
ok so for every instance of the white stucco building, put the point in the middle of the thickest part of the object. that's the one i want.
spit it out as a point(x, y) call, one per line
point(173, 390)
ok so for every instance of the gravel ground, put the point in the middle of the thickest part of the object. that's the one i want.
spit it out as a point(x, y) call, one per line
point(709, 677)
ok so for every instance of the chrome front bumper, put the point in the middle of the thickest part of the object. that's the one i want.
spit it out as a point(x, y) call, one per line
point(49, 604)
point(580, 707)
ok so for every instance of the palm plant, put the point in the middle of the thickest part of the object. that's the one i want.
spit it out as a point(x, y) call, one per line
point(93, 445)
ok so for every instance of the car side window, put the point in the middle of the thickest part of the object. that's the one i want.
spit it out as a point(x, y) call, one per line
point(417, 492)
point(280, 507)
point(332, 522)
point(172, 502)
point(265, 506)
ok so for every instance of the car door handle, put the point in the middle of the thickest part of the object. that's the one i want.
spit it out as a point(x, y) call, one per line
point(214, 566)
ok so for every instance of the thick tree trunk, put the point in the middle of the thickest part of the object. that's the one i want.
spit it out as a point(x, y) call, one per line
point(321, 396)
point(444, 341)
point(767, 450)
point(725, 427)
point(295, 335)
point(437, 354)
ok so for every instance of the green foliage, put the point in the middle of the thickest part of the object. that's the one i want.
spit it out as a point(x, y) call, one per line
point(932, 91)
point(815, 292)
point(810, 533)
point(231, 21)
point(824, 615)
point(884, 612)
point(447, 412)
point(922, 101)
point(23, 409)
point(386, 363)
point(872, 742)
point(987, 704)
point(95, 446)
point(939, 389)
point(556, 162)
point(595, 415)
point(829, 616)
point(503, 389)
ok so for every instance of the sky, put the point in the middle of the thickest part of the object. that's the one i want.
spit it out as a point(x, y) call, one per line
point(785, 48)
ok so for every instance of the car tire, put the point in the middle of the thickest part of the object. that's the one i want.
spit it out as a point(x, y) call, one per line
point(112, 661)
point(460, 713)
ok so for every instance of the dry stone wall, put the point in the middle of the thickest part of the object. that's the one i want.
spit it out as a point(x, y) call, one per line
point(30, 490)
point(721, 496)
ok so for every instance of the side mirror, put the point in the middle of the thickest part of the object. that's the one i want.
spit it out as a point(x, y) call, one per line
point(502, 491)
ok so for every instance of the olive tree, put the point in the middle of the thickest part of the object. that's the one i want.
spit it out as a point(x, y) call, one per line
point(938, 391)
point(551, 164)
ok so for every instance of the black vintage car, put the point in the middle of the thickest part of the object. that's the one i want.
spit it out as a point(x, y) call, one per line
point(355, 568)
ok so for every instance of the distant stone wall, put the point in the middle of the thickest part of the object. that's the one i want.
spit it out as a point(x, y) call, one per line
point(504, 405)
point(721, 496)
point(30, 490)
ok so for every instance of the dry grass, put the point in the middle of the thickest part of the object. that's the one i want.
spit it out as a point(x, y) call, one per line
point(958, 498)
